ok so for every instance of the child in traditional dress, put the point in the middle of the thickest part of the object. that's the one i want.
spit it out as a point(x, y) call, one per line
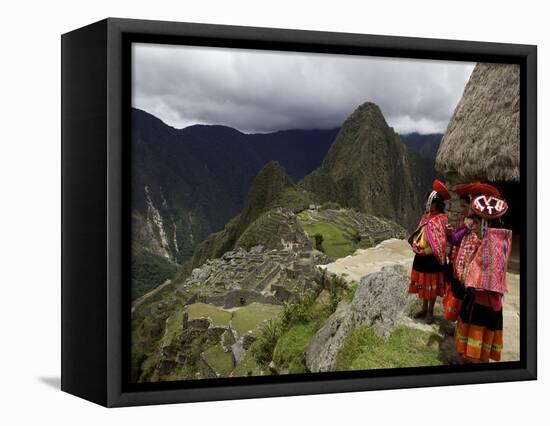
point(478, 336)
point(429, 243)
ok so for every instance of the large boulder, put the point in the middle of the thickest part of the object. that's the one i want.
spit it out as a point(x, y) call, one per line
point(320, 353)
point(381, 301)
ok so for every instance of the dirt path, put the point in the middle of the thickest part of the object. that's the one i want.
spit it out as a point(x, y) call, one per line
point(146, 296)
point(393, 251)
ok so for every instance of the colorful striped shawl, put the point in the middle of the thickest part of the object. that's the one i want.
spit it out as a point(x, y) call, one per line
point(435, 233)
point(488, 269)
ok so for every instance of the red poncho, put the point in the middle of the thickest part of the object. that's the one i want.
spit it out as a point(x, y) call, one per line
point(435, 233)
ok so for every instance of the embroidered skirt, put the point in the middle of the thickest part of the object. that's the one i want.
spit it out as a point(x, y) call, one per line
point(478, 333)
point(427, 277)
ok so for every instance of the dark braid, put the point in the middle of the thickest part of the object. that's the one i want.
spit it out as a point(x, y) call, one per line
point(439, 203)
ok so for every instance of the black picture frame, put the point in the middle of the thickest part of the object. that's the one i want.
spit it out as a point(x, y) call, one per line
point(96, 88)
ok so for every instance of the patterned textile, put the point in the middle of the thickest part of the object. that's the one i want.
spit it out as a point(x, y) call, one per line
point(428, 285)
point(464, 255)
point(478, 342)
point(488, 269)
point(435, 233)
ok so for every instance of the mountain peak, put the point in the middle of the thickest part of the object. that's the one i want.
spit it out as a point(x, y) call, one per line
point(369, 107)
point(272, 187)
point(274, 167)
point(366, 114)
point(369, 168)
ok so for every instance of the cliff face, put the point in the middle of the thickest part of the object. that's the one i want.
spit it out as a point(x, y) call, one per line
point(369, 168)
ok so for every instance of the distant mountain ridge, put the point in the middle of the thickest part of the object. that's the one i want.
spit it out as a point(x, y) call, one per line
point(190, 186)
point(187, 183)
point(425, 144)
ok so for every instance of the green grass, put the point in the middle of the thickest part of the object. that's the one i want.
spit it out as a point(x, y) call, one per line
point(220, 361)
point(289, 351)
point(263, 231)
point(337, 233)
point(174, 324)
point(246, 318)
point(335, 243)
point(406, 347)
point(302, 322)
point(349, 292)
point(145, 346)
point(181, 372)
point(218, 316)
point(250, 316)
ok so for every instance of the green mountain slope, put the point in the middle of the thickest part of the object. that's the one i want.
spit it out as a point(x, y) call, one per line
point(369, 168)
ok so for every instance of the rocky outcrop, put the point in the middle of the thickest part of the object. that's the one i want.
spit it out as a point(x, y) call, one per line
point(381, 302)
point(320, 353)
point(242, 345)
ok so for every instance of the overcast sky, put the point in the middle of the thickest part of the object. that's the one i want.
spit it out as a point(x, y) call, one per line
point(263, 91)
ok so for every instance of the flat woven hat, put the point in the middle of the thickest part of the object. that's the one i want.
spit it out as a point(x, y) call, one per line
point(489, 207)
point(476, 188)
point(441, 189)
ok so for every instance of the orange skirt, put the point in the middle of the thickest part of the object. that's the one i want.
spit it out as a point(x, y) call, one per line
point(478, 342)
point(428, 285)
point(451, 305)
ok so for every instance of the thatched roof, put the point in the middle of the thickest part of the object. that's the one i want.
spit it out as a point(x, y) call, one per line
point(482, 138)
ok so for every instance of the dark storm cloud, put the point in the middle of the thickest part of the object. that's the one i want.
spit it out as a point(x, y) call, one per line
point(259, 91)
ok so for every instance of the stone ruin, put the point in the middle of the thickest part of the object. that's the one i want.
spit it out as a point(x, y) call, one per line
point(259, 275)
